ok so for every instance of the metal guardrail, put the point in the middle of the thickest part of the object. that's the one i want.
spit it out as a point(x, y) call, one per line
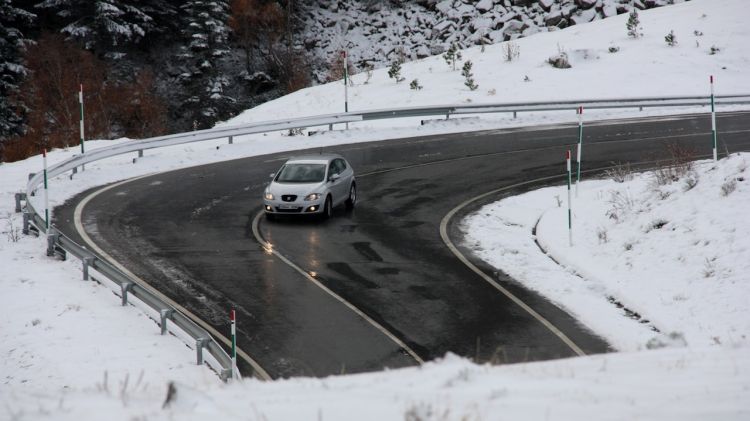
point(59, 244)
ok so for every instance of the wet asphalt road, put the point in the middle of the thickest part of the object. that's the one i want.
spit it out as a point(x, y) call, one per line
point(188, 232)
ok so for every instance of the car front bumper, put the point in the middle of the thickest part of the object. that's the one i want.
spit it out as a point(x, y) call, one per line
point(289, 208)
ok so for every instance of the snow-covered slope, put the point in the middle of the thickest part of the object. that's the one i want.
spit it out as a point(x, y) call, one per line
point(49, 331)
point(674, 251)
point(378, 32)
point(645, 66)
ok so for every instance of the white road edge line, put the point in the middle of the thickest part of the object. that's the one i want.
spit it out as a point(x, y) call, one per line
point(462, 258)
point(77, 219)
point(270, 249)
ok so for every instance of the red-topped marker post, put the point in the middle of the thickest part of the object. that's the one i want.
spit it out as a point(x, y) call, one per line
point(235, 371)
point(46, 193)
point(83, 137)
point(570, 214)
point(580, 147)
point(346, 84)
point(713, 118)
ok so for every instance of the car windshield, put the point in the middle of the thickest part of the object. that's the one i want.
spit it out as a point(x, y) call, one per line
point(302, 173)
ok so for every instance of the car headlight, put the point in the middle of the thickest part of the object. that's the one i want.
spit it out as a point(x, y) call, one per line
point(268, 195)
point(312, 196)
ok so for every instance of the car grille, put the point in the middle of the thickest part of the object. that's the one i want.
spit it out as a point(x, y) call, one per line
point(289, 197)
point(292, 210)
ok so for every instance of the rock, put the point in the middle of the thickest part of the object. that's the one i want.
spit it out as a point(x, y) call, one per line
point(586, 4)
point(583, 16)
point(546, 4)
point(484, 6)
point(553, 19)
point(609, 10)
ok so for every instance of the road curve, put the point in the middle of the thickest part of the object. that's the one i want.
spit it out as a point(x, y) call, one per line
point(189, 233)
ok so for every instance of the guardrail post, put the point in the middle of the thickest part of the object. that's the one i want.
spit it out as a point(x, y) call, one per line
point(87, 261)
point(165, 314)
point(330, 126)
point(231, 140)
point(125, 287)
point(19, 198)
point(640, 108)
point(200, 343)
point(515, 114)
point(26, 218)
point(52, 238)
point(31, 175)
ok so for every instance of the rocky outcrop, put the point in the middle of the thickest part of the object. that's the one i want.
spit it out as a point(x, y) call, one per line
point(376, 32)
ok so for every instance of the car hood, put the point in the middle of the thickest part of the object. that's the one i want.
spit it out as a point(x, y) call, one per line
point(300, 189)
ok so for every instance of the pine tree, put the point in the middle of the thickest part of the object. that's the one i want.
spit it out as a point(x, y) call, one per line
point(105, 26)
point(205, 34)
point(633, 25)
point(671, 38)
point(466, 72)
point(395, 71)
point(13, 22)
point(415, 85)
point(452, 55)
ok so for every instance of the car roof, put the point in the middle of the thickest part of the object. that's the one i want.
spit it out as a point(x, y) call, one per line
point(322, 158)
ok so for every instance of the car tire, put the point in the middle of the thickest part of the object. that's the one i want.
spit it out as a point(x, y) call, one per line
point(352, 200)
point(327, 208)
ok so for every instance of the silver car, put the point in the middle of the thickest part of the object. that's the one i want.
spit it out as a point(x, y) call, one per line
point(313, 184)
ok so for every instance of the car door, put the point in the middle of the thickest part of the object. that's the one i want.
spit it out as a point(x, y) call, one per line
point(339, 186)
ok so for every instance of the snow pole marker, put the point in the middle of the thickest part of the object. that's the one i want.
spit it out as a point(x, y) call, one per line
point(46, 193)
point(83, 137)
point(346, 85)
point(713, 118)
point(580, 147)
point(570, 218)
point(235, 371)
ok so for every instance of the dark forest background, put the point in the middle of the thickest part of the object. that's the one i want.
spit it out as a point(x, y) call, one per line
point(148, 67)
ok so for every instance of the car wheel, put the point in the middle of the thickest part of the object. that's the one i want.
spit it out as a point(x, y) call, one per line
point(352, 200)
point(328, 208)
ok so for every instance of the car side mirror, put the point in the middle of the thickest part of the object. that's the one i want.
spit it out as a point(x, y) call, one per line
point(272, 175)
point(335, 177)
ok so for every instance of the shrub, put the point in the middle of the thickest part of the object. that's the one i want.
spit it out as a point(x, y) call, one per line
point(415, 85)
point(560, 61)
point(634, 25)
point(678, 164)
point(452, 55)
point(728, 187)
point(395, 71)
point(620, 172)
point(511, 51)
point(671, 39)
point(613, 49)
point(691, 180)
point(466, 72)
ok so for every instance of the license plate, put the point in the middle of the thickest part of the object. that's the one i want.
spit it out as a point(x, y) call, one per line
point(287, 207)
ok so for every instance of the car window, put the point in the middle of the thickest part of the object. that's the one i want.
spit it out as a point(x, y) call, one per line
point(341, 165)
point(331, 169)
point(301, 173)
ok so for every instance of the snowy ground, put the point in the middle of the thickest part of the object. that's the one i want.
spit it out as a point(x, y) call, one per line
point(675, 252)
point(69, 351)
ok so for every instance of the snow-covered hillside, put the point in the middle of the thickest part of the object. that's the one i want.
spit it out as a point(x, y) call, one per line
point(377, 33)
point(641, 67)
point(65, 355)
point(669, 246)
